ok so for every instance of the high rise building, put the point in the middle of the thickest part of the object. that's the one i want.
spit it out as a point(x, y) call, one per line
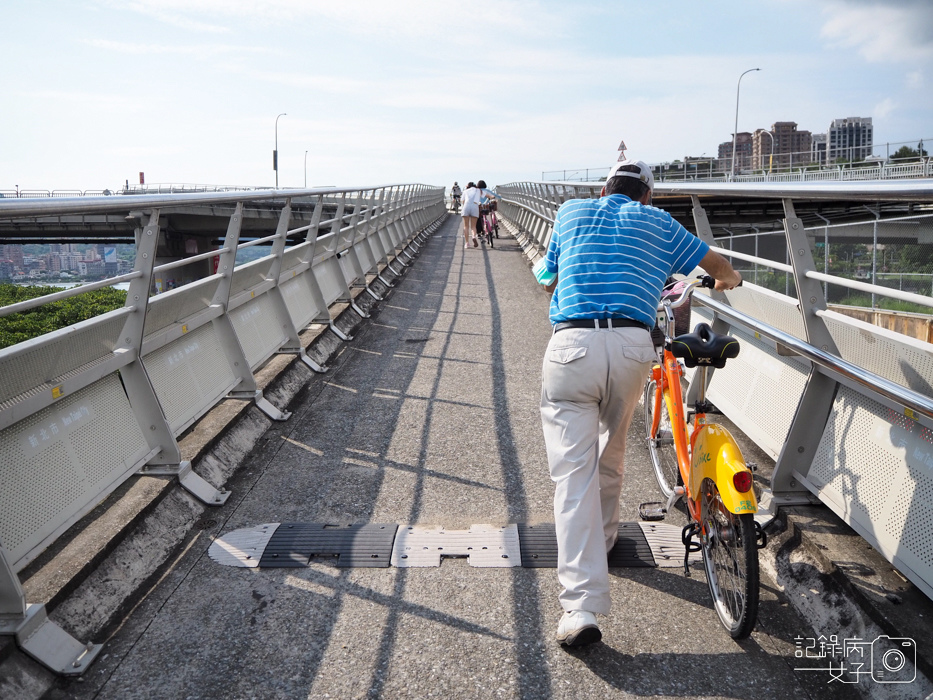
point(14, 253)
point(818, 149)
point(850, 139)
point(791, 147)
point(743, 152)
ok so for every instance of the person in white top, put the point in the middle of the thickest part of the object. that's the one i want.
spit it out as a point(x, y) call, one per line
point(472, 197)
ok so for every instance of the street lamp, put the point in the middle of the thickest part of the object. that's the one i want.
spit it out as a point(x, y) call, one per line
point(735, 133)
point(306, 170)
point(275, 153)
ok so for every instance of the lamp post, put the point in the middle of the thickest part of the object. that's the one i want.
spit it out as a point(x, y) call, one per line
point(275, 153)
point(735, 133)
point(306, 170)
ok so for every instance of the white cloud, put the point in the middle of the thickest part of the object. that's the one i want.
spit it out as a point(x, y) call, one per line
point(888, 30)
point(425, 18)
point(186, 50)
point(915, 80)
point(170, 12)
point(94, 101)
point(884, 108)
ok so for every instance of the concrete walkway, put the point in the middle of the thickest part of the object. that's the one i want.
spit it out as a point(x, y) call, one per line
point(429, 417)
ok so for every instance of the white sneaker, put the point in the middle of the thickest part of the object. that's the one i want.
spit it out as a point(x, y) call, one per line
point(578, 628)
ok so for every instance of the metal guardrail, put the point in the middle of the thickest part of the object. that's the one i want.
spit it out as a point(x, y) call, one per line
point(922, 168)
point(842, 406)
point(164, 188)
point(85, 407)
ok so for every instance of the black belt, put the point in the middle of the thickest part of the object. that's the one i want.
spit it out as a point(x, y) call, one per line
point(595, 323)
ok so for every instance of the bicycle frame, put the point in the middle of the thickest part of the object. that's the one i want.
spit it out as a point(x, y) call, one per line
point(710, 451)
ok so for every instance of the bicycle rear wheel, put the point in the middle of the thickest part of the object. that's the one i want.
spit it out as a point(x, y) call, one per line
point(661, 444)
point(730, 556)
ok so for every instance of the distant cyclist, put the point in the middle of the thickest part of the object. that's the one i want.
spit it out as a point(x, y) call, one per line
point(455, 195)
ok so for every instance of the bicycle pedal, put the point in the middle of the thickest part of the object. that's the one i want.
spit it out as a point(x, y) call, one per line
point(652, 511)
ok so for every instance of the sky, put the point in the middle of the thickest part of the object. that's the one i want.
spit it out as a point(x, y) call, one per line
point(379, 92)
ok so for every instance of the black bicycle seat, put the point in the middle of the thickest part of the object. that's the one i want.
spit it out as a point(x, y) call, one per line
point(704, 347)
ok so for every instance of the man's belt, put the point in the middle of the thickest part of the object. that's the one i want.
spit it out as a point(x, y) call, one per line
point(595, 323)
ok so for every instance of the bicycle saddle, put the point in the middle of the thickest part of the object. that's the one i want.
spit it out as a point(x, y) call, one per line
point(704, 347)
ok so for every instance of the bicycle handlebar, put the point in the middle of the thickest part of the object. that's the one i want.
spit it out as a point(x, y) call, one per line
point(705, 281)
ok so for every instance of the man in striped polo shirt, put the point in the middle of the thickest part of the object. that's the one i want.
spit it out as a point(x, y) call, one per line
point(611, 256)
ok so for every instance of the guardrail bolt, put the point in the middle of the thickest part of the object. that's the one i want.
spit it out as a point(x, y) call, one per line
point(800, 449)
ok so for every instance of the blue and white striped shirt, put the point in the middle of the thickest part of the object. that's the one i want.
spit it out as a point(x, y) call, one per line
point(612, 256)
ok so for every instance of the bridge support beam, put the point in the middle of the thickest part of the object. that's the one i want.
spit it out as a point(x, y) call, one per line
point(787, 485)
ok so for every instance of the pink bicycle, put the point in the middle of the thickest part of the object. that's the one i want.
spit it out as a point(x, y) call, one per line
point(491, 221)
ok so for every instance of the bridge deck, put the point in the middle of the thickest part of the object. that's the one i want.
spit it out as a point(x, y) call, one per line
point(428, 417)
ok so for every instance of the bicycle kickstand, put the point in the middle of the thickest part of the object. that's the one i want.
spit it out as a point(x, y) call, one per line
point(686, 536)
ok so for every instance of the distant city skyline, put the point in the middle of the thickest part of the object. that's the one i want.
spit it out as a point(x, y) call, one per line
point(377, 93)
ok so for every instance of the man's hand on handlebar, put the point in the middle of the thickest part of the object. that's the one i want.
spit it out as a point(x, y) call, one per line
point(721, 269)
point(720, 285)
point(731, 282)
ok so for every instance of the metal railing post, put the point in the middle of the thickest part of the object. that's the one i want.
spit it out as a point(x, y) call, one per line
point(147, 409)
point(705, 234)
point(233, 349)
point(292, 345)
point(819, 393)
point(317, 294)
point(35, 633)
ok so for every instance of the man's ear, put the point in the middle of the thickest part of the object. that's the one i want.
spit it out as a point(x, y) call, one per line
point(646, 198)
point(602, 192)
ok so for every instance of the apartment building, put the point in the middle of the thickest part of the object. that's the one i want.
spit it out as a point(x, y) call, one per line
point(791, 147)
point(743, 152)
point(850, 139)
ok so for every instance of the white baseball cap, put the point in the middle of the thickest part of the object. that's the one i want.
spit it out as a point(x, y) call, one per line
point(633, 168)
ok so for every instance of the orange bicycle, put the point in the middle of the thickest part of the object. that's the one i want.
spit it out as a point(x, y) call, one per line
point(702, 464)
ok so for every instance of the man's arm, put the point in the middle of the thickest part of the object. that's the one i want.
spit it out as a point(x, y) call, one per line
point(721, 269)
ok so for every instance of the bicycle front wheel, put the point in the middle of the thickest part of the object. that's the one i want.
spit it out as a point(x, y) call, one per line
point(661, 443)
point(730, 556)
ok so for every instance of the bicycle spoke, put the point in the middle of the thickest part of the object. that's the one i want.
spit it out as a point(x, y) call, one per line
point(730, 556)
point(661, 444)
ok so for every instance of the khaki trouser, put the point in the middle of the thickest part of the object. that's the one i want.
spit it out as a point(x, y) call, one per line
point(590, 385)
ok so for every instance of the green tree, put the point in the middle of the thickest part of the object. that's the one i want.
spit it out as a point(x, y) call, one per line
point(22, 326)
point(906, 152)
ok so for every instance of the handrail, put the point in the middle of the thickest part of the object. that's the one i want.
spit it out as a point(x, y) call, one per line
point(890, 390)
point(873, 190)
point(10, 209)
point(753, 259)
point(872, 288)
